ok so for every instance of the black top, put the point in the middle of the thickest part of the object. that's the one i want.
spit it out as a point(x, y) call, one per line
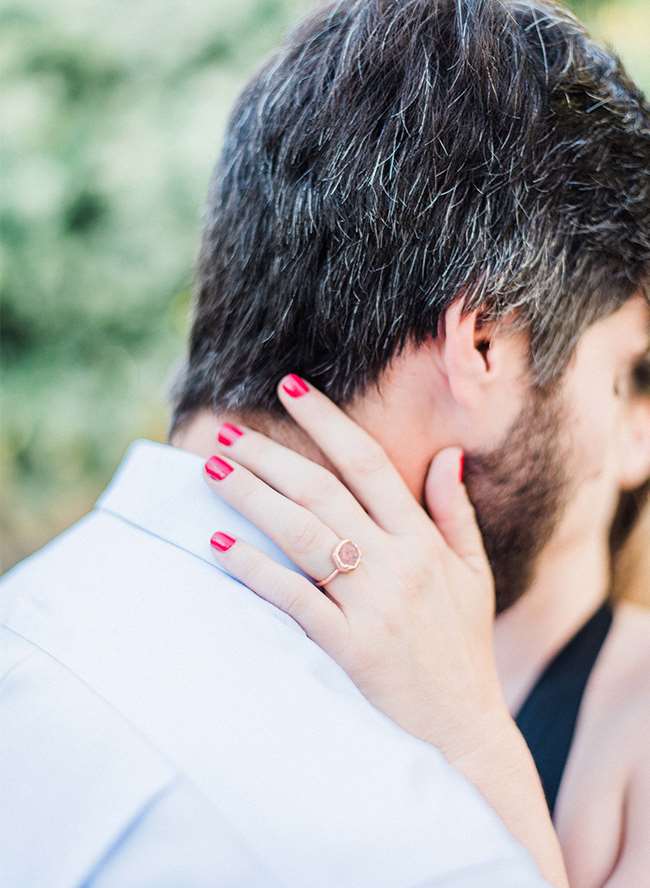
point(548, 716)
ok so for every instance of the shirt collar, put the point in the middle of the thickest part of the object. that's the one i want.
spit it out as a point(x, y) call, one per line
point(161, 490)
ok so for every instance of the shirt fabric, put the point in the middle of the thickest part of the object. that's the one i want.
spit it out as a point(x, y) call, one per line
point(161, 725)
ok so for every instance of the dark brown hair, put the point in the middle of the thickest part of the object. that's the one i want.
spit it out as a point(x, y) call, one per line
point(394, 153)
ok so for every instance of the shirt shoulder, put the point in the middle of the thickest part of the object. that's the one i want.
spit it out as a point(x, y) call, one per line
point(87, 800)
point(65, 757)
point(228, 692)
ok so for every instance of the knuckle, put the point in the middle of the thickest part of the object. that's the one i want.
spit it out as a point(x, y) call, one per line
point(417, 577)
point(327, 483)
point(246, 489)
point(251, 570)
point(291, 600)
point(318, 486)
point(371, 460)
point(306, 535)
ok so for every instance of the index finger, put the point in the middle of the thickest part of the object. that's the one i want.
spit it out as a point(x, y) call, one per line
point(360, 460)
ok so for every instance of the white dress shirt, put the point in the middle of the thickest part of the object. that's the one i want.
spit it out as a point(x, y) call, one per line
point(161, 725)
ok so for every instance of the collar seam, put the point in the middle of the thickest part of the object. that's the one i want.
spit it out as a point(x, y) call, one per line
point(146, 530)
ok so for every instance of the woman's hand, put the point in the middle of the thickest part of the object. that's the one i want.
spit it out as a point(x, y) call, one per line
point(412, 624)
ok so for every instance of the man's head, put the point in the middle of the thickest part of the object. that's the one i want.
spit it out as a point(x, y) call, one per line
point(395, 162)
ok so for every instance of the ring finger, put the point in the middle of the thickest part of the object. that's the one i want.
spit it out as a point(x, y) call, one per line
point(305, 539)
point(321, 619)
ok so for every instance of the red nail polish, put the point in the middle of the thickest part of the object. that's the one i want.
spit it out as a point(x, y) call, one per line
point(461, 467)
point(228, 434)
point(222, 541)
point(218, 468)
point(295, 385)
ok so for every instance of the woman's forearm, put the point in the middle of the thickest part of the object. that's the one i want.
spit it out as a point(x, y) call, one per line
point(501, 767)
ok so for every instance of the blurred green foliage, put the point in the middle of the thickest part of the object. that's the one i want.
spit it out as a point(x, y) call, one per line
point(112, 116)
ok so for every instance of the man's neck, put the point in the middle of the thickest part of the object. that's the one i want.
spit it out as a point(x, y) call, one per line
point(199, 436)
point(569, 585)
point(383, 415)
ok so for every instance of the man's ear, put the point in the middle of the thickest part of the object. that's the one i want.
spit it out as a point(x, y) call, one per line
point(473, 356)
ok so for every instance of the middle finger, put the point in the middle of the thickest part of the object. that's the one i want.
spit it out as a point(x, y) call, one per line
point(300, 479)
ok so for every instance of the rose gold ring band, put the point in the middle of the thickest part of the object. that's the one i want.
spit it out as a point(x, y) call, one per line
point(346, 557)
point(329, 579)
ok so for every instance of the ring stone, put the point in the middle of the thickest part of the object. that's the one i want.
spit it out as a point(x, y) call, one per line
point(346, 556)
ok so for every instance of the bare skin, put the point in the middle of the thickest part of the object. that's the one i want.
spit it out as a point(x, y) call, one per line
point(604, 802)
point(429, 666)
point(610, 762)
point(464, 389)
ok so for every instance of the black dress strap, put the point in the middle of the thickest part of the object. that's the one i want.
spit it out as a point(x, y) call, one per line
point(547, 719)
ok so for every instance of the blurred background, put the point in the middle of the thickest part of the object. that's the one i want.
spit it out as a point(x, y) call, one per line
point(112, 116)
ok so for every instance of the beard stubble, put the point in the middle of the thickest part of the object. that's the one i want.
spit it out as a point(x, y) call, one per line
point(519, 491)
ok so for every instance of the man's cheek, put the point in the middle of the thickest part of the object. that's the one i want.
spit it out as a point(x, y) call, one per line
point(592, 434)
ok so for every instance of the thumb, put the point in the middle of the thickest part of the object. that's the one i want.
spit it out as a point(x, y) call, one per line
point(448, 504)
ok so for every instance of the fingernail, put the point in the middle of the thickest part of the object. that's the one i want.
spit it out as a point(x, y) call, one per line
point(461, 467)
point(228, 434)
point(218, 468)
point(295, 385)
point(222, 541)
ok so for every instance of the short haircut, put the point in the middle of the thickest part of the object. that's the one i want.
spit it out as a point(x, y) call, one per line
point(395, 154)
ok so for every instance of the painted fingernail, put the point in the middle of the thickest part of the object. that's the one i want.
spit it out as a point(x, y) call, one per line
point(222, 541)
point(461, 467)
point(295, 385)
point(228, 434)
point(218, 468)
